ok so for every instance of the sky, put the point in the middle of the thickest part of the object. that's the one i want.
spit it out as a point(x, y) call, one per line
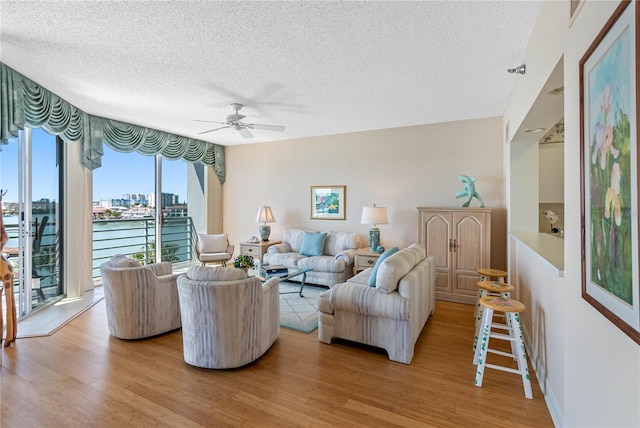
point(120, 172)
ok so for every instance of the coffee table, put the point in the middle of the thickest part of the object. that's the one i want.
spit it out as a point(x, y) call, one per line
point(285, 276)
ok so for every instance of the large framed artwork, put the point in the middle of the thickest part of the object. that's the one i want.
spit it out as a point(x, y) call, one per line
point(609, 171)
point(328, 202)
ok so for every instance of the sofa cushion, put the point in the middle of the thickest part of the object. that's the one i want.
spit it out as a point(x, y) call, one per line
point(290, 260)
point(312, 243)
point(418, 251)
point(361, 277)
point(120, 261)
point(393, 268)
point(383, 256)
point(293, 237)
point(340, 241)
point(205, 273)
point(322, 264)
point(212, 243)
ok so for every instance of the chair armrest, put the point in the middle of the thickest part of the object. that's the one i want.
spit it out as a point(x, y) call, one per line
point(230, 249)
point(279, 248)
point(161, 268)
point(347, 256)
point(270, 284)
point(362, 299)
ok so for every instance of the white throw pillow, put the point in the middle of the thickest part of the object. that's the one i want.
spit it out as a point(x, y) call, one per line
point(212, 243)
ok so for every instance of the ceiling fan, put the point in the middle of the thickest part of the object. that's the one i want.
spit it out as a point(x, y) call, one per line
point(235, 122)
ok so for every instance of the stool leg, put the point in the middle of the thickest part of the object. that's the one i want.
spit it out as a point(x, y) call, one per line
point(521, 353)
point(480, 357)
point(482, 293)
point(483, 342)
point(475, 313)
point(509, 323)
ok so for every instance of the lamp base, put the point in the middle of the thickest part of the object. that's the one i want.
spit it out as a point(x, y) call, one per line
point(264, 230)
point(374, 239)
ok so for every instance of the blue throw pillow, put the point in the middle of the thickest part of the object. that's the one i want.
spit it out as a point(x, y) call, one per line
point(312, 243)
point(374, 272)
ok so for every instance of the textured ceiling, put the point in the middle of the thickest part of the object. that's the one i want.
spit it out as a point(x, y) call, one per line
point(317, 68)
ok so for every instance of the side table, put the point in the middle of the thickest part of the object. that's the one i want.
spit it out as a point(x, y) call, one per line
point(256, 249)
point(364, 259)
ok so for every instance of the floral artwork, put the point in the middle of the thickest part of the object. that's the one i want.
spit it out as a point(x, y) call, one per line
point(610, 166)
point(609, 148)
point(328, 202)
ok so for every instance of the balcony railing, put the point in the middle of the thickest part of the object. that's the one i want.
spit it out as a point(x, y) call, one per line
point(135, 238)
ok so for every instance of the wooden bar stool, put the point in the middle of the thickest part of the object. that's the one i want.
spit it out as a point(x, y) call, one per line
point(511, 309)
point(491, 288)
point(486, 274)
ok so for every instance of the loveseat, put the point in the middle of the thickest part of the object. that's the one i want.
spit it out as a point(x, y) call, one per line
point(385, 306)
point(329, 254)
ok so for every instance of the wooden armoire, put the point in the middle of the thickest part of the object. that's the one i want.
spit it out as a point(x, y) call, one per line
point(459, 239)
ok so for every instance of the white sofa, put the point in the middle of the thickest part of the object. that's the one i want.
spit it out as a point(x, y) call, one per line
point(332, 266)
point(389, 315)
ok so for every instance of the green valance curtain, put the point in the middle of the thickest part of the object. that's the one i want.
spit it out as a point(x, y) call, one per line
point(25, 103)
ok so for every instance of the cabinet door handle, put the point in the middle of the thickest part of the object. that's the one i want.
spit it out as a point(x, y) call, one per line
point(370, 261)
point(454, 246)
point(450, 244)
point(250, 250)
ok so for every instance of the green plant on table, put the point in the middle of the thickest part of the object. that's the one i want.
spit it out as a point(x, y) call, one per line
point(243, 261)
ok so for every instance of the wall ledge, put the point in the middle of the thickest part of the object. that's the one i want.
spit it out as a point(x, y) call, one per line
point(549, 248)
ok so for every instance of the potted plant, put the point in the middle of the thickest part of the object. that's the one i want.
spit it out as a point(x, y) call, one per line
point(243, 261)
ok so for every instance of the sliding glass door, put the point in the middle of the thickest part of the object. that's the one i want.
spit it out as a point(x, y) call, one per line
point(140, 209)
point(30, 168)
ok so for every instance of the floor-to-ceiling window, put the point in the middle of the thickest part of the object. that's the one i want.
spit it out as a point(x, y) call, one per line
point(176, 224)
point(30, 168)
point(139, 201)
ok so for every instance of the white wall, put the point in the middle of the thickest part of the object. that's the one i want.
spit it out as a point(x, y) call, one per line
point(599, 382)
point(551, 173)
point(400, 168)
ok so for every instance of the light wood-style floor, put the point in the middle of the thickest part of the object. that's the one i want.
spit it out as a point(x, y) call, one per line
point(82, 377)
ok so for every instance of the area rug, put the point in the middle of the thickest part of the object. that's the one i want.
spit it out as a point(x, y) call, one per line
point(299, 313)
point(50, 319)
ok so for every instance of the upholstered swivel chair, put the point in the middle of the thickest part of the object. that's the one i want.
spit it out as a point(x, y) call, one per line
point(228, 319)
point(142, 301)
point(214, 249)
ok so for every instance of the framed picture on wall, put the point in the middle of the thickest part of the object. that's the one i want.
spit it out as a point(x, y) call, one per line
point(328, 202)
point(609, 172)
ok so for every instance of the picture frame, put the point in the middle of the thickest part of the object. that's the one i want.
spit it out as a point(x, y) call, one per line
point(328, 202)
point(609, 190)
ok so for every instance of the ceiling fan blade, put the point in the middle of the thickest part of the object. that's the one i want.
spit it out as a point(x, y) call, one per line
point(266, 127)
point(245, 132)
point(209, 121)
point(211, 130)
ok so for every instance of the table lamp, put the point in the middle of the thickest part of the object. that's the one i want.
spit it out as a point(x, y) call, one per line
point(264, 216)
point(374, 216)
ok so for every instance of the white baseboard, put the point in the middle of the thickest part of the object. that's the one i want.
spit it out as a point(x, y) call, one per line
point(549, 397)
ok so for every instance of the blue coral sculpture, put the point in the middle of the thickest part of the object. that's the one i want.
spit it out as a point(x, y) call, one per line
point(469, 190)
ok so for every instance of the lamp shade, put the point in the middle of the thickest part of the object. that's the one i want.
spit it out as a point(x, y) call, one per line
point(265, 215)
point(374, 215)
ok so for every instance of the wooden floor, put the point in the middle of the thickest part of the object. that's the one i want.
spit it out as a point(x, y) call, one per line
point(82, 377)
